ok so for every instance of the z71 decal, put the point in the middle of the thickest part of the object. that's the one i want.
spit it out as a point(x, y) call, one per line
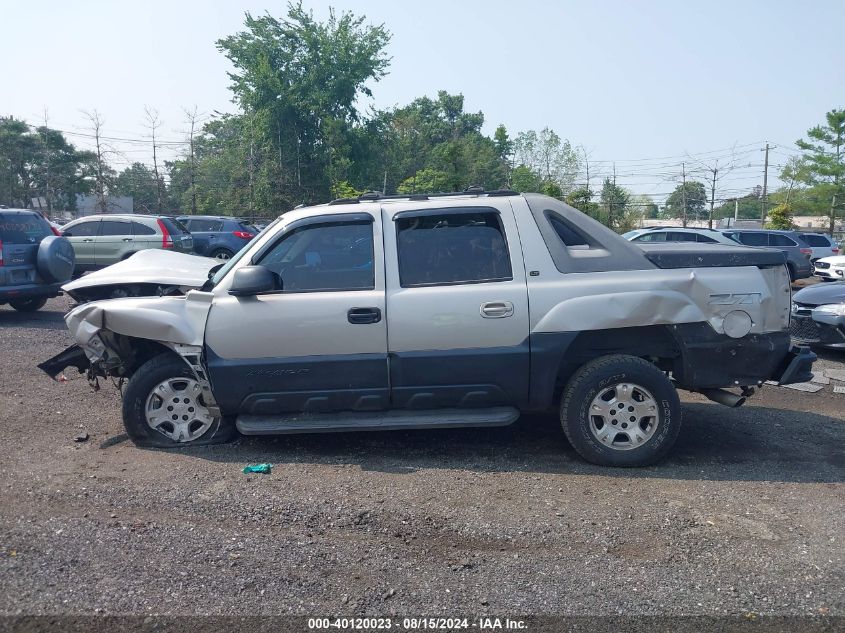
point(734, 299)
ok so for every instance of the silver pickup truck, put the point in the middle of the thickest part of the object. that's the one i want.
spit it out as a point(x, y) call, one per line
point(433, 311)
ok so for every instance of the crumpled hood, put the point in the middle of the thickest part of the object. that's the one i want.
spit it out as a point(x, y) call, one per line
point(175, 320)
point(151, 266)
point(821, 294)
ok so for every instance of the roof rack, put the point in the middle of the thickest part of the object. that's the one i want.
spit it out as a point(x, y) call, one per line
point(371, 196)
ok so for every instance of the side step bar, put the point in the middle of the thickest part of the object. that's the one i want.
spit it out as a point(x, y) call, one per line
point(374, 421)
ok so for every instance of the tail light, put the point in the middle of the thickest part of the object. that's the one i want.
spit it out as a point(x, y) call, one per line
point(807, 251)
point(166, 240)
point(244, 235)
point(55, 231)
point(835, 249)
point(1, 252)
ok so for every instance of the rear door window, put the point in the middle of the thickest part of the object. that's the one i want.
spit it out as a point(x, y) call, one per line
point(776, 239)
point(452, 248)
point(23, 228)
point(114, 227)
point(201, 225)
point(677, 236)
point(651, 237)
point(816, 240)
point(706, 240)
point(753, 239)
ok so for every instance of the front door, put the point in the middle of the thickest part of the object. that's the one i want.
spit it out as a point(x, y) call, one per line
point(457, 308)
point(319, 344)
point(82, 236)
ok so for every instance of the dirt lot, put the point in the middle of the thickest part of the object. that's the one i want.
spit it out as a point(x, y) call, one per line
point(745, 517)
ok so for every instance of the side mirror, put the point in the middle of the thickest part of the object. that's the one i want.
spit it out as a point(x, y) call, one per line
point(253, 280)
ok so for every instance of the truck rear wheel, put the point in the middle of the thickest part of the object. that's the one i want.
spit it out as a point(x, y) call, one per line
point(163, 407)
point(620, 411)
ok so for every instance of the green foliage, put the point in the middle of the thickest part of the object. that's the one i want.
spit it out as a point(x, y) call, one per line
point(696, 200)
point(41, 163)
point(823, 162)
point(139, 181)
point(425, 181)
point(549, 157)
point(748, 208)
point(614, 204)
point(780, 217)
point(525, 180)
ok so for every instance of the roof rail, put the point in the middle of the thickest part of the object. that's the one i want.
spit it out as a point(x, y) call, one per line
point(344, 201)
point(474, 190)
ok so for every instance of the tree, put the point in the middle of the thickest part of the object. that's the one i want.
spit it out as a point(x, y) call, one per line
point(298, 82)
point(551, 158)
point(140, 182)
point(582, 199)
point(614, 202)
point(696, 200)
point(425, 181)
point(153, 124)
point(780, 217)
point(525, 180)
point(824, 159)
point(103, 174)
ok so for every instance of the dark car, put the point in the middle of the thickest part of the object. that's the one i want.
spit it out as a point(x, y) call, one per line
point(818, 315)
point(791, 243)
point(218, 236)
point(34, 260)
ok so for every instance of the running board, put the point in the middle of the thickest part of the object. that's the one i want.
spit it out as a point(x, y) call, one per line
point(375, 420)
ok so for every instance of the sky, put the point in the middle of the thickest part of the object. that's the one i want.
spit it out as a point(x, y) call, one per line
point(642, 85)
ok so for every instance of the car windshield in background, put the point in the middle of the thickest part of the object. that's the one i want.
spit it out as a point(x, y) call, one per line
point(22, 228)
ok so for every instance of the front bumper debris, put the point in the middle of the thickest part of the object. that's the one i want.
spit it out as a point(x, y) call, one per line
point(73, 356)
point(796, 367)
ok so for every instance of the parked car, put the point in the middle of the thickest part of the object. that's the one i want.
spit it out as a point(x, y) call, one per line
point(830, 268)
point(102, 240)
point(679, 234)
point(445, 311)
point(34, 261)
point(218, 236)
point(822, 245)
point(818, 315)
point(790, 243)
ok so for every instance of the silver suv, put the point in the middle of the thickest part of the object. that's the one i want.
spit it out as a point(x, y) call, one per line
point(102, 240)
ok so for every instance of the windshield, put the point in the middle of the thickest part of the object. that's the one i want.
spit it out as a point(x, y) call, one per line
point(221, 272)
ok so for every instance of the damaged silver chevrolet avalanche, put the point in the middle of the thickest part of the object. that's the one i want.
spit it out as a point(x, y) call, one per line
point(442, 311)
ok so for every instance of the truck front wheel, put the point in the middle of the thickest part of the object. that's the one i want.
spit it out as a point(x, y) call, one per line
point(163, 407)
point(620, 411)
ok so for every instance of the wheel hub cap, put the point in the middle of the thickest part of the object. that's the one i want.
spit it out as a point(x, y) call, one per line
point(623, 416)
point(175, 409)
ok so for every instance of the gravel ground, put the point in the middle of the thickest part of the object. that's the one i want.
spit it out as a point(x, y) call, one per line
point(744, 517)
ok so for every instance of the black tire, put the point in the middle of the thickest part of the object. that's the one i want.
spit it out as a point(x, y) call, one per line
point(28, 305)
point(139, 388)
point(600, 376)
point(223, 254)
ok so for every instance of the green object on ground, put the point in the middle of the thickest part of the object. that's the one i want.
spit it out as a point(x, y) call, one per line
point(264, 469)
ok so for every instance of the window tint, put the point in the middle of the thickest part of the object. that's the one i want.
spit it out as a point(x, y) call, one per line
point(204, 225)
point(174, 226)
point(705, 239)
point(753, 239)
point(567, 234)
point(142, 229)
point(114, 227)
point(451, 249)
point(334, 256)
point(651, 237)
point(816, 240)
point(83, 229)
point(677, 236)
point(23, 228)
point(776, 239)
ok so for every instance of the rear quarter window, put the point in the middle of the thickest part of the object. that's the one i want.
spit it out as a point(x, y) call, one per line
point(816, 240)
point(776, 239)
point(23, 228)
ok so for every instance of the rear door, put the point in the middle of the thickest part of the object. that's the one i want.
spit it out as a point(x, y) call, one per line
point(82, 236)
point(204, 231)
point(144, 235)
point(115, 240)
point(457, 306)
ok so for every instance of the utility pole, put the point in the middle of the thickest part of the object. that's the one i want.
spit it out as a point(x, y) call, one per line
point(49, 184)
point(154, 122)
point(765, 185)
point(684, 194)
point(192, 119)
point(712, 195)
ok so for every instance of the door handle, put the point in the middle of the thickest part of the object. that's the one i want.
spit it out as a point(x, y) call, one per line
point(127, 239)
point(88, 240)
point(496, 309)
point(363, 316)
